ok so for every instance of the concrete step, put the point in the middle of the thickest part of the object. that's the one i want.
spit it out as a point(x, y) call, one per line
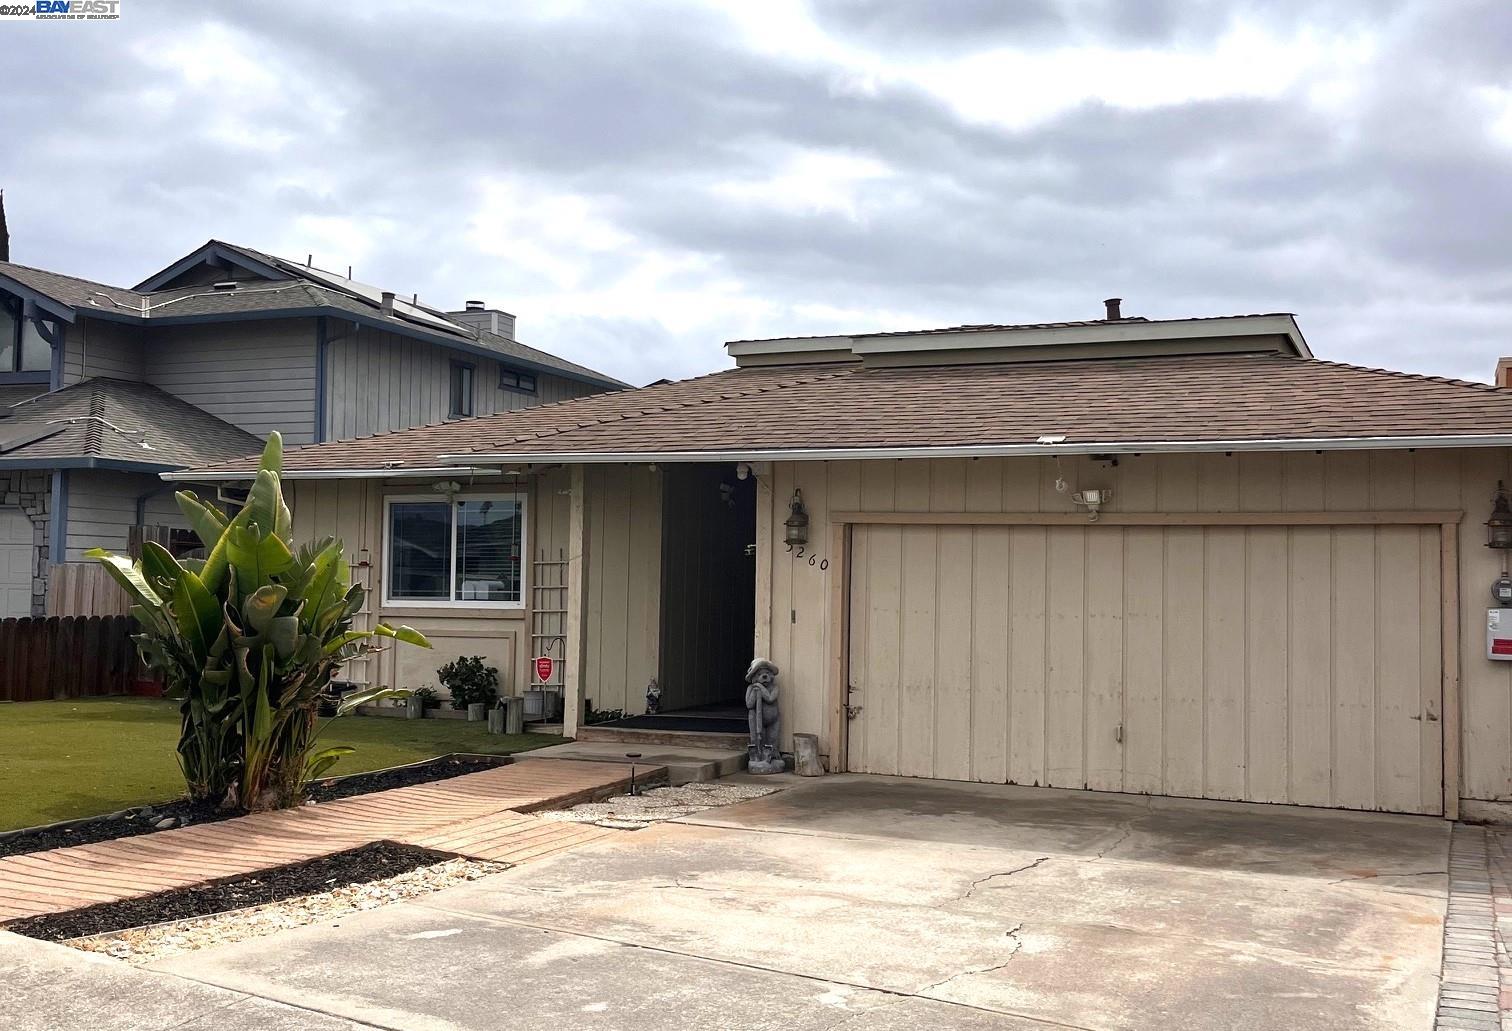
point(680, 739)
point(683, 765)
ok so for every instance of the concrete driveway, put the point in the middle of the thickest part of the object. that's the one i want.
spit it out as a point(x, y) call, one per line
point(885, 903)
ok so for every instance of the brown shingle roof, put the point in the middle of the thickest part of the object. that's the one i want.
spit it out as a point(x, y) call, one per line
point(1237, 397)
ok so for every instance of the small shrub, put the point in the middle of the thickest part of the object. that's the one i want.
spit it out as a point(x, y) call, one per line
point(427, 696)
point(469, 680)
point(592, 715)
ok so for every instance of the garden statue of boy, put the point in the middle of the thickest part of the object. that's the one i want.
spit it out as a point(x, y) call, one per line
point(763, 718)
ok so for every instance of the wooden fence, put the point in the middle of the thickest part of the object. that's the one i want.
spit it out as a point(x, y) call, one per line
point(66, 657)
point(84, 589)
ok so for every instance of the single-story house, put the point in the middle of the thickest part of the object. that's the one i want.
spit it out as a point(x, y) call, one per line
point(1178, 557)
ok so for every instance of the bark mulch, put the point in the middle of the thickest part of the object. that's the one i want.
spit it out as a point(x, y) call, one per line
point(356, 866)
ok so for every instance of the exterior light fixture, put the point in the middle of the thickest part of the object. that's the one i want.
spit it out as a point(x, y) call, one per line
point(797, 522)
point(1092, 500)
point(1499, 526)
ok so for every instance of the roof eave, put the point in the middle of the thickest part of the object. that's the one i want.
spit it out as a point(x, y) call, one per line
point(379, 473)
point(215, 251)
point(48, 303)
point(1116, 447)
point(87, 462)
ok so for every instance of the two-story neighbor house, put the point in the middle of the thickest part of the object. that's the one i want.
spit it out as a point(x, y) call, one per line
point(104, 388)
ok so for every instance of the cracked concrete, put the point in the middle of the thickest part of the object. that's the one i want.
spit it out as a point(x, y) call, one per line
point(883, 903)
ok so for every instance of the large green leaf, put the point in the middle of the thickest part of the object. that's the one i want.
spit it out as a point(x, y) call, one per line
point(262, 605)
point(207, 523)
point(402, 634)
point(128, 576)
point(256, 557)
point(350, 702)
point(324, 759)
point(158, 564)
point(283, 633)
point(197, 614)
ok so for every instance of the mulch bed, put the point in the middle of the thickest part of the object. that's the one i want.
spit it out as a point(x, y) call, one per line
point(356, 866)
point(141, 820)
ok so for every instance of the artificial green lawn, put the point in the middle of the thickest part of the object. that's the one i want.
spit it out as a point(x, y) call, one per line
point(65, 760)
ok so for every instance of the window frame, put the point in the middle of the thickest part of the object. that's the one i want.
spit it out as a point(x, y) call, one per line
point(15, 307)
point(472, 389)
point(522, 496)
point(518, 386)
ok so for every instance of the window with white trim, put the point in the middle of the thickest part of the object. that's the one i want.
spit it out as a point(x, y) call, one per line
point(23, 348)
point(466, 551)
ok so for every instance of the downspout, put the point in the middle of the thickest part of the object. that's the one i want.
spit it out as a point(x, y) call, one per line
point(59, 343)
point(57, 534)
point(321, 342)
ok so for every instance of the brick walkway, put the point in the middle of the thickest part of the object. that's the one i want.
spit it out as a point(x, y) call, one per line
point(483, 815)
point(1475, 992)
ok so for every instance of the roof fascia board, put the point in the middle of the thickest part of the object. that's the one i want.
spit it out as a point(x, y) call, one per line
point(51, 305)
point(336, 474)
point(1121, 447)
point(1169, 329)
point(113, 464)
point(1115, 332)
point(210, 252)
point(374, 322)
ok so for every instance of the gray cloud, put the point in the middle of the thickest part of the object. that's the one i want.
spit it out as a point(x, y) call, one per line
point(1379, 216)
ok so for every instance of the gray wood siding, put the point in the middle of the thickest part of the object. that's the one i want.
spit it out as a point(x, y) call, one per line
point(256, 375)
point(95, 348)
point(102, 508)
point(378, 381)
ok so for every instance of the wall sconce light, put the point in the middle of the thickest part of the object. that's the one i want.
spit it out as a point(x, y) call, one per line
point(1092, 500)
point(1499, 526)
point(797, 522)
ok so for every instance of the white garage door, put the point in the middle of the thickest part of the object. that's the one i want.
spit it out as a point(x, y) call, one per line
point(15, 563)
point(1274, 664)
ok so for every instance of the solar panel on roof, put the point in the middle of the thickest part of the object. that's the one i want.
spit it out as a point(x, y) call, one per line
point(402, 308)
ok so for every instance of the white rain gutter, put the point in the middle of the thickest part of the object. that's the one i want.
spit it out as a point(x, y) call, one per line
point(1120, 447)
point(397, 472)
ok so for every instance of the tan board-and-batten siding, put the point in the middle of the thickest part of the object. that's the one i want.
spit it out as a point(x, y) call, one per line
point(624, 597)
point(798, 622)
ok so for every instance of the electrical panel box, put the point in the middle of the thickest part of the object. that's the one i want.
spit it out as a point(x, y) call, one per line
point(1499, 634)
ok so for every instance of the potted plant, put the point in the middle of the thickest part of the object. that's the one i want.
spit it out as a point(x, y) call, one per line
point(418, 701)
point(473, 685)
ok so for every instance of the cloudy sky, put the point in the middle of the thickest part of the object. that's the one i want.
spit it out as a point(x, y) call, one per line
point(640, 182)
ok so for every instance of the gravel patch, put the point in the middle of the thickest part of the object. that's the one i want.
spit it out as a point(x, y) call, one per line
point(632, 812)
point(401, 777)
point(146, 944)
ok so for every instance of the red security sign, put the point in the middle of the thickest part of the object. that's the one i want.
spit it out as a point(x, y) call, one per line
point(543, 667)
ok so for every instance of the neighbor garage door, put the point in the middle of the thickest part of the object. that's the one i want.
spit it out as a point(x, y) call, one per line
point(1265, 663)
point(15, 563)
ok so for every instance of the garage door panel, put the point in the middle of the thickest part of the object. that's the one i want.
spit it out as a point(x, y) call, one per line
point(955, 685)
point(1267, 662)
point(1144, 659)
point(991, 709)
point(1284, 664)
point(1065, 653)
point(917, 641)
point(1310, 667)
point(1026, 654)
point(1183, 702)
point(1354, 667)
point(1104, 651)
point(1223, 660)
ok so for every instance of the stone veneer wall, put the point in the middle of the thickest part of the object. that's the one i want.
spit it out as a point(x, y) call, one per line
point(31, 491)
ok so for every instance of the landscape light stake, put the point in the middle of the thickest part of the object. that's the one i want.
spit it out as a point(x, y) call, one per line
point(632, 756)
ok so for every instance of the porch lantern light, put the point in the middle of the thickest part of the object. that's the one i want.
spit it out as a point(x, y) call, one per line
point(797, 522)
point(1499, 526)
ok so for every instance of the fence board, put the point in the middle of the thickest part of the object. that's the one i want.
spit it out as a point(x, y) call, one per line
point(65, 657)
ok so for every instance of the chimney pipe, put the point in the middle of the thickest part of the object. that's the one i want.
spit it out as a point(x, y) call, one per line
point(1504, 372)
point(388, 302)
point(1112, 304)
point(474, 305)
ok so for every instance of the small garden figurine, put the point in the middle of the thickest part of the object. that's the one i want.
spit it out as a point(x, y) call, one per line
point(653, 698)
point(764, 719)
